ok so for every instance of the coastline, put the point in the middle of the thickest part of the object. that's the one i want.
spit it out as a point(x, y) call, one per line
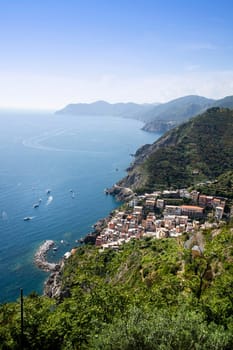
point(40, 257)
point(52, 285)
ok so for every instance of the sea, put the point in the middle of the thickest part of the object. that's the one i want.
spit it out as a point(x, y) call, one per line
point(60, 164)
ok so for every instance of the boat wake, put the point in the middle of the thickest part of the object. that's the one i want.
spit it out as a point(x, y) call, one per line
point(49, 201)
point(37, 142)
point(4, 215)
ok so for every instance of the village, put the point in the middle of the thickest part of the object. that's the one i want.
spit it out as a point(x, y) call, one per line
point(161, 214)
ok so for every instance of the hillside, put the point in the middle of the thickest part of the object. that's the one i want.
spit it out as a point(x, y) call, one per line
point(151, 294)
point(174, 112)
point(168, 115)
point(101, 108)
point(165, 115)
point(157, 117)
point(196, 151)
point(222, 186)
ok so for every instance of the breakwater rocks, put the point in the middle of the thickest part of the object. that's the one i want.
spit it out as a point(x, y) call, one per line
point(40, 258)
point(52, 286)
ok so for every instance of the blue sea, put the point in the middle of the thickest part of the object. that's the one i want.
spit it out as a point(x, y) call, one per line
point(76, 158)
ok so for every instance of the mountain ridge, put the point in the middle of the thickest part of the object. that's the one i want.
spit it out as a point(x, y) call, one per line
point(197, 150)
point(158, 117)
point(125, 109)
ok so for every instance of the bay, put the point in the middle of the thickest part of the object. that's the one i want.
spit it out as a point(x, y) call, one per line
point(75, 158)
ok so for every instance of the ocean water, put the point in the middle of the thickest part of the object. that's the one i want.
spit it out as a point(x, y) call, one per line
point(74, 157)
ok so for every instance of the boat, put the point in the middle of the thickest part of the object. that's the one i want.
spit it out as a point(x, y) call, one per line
point(27, 218)
point(48, 191)
point(36, 205)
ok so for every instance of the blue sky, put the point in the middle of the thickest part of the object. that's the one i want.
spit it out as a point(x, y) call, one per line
point(57, 52)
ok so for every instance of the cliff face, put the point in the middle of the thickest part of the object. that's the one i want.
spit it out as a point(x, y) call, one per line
point(195, 151)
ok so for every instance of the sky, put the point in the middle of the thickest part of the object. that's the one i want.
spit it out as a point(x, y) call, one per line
point(56, 52)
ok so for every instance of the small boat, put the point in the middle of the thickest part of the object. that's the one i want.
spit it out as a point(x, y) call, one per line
point(55, 249)
point(48, 191)
point(27, 218)
point(36, 205)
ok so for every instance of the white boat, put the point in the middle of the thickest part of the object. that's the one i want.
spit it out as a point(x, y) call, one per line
point(27, 218)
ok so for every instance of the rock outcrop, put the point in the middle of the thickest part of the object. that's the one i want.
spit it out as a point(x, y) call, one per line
point(52, 287)
point(121, 193)
point(40, 257)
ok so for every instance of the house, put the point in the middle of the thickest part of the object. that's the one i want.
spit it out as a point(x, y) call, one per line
point(204, 200)
point(160, 203)
point(192, 211)
point(138, 209)
point(181, 219)
point(172, 210)
point(219, 213)
point(184, 193)
point(218, 202)
point(194, 195)
point(171, 194)
point(99, 241)
point(150, 203)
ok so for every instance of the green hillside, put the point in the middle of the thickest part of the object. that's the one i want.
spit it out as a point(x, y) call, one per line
point(196, 151)
point(151, 294)
point(222, 186)
point(178, 110)
point(168, 115)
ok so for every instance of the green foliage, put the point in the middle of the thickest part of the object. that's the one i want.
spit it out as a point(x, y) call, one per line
point(162, 329)
point(151, 294)
point(222, 186)
point(194, 152)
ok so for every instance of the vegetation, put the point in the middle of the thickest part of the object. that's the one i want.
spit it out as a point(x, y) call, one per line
point(151, 294)
point(168, 115)
point(197, 151)
point(222, 186)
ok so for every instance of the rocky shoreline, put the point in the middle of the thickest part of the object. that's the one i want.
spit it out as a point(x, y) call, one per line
point(40, 258)
point(52, 286)
point(122, 194)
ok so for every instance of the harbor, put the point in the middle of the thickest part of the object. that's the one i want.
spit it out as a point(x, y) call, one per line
point(41, 256)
